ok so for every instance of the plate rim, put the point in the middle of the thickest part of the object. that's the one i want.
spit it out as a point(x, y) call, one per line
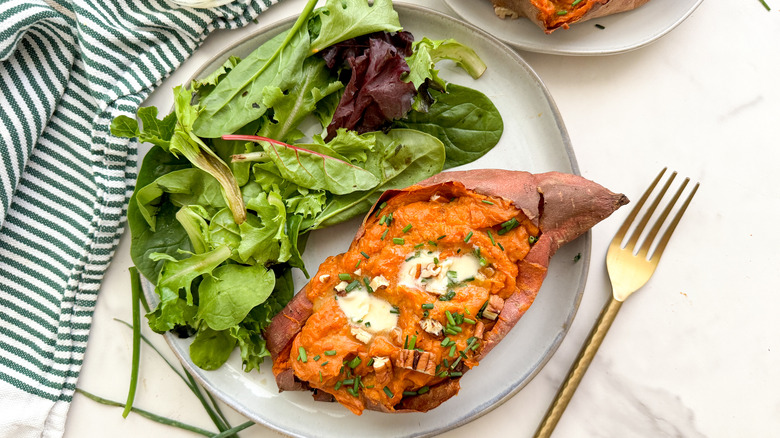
point(586, 238)
point(592, 52)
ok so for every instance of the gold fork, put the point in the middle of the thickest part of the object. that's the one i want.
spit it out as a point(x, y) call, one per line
point(629, 266)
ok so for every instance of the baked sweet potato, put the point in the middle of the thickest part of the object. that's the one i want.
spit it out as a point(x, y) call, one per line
point(436, 276)
point(553, 14)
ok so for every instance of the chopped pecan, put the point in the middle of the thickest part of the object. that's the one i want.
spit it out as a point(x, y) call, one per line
point(383, 370)
point(361, 335)
point(479, 329)
point(494, 307)
point(431, 326)
point(378, 281)
point(420, 361)
point(430, 270)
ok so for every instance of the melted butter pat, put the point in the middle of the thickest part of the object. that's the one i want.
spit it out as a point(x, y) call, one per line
point(370, 313)
point(434, 277)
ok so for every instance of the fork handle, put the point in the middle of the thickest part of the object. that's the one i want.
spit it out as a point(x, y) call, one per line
point(578, 368)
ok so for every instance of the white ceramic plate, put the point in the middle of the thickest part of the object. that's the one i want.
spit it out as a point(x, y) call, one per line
point(534, 139)
point(622, 32)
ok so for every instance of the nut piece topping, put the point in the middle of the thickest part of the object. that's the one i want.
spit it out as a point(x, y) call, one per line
point(431, 326)
point(341, 287)
point(494, 307)
point(379, 281)
point(430, 270)
point(383, 370)
point(324, 278)
point(420, 361)
point(361, 335)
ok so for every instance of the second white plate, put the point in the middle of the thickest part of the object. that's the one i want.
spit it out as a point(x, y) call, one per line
point(621, 33)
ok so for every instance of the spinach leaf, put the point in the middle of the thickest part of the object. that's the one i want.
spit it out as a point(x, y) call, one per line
point(230, 292)
point(291, 107)
point(211, 348)
point(184, 187)
point(306, 167)
point(341, 20)
point(464, 119)
point(238, 98)
point(168, 235)
point(404, 157)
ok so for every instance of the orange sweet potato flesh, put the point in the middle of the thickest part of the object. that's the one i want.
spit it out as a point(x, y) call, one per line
point(549, 16)
point(452, 215)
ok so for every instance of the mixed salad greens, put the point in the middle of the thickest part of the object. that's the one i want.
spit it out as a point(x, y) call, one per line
point(227, 195)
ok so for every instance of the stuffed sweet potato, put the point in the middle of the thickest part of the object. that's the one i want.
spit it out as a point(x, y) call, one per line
point(553, 14)
point(436, 276)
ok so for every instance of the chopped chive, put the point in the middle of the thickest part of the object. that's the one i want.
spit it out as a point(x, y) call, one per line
point(383, 219)
point(532, 239)
point(368, 285)
point(469, 321)
point(381, 207)
point(448, 296)
point(357, 265)
point(419, 245)
point(423, 390)
point(492, 240)
point(368, 324)
point(456, 329)
point(425, 314)
point(330, 353)
point(432, 243)
point(407, 228)
point(456, 374)
point(410, 393)
point(350, 287)
point(345, 277)
point(364, 254)
point(395, 310)
point(370, 362)
point(574, 3)
point(468, 236)
point(445, 342)
point(485, 201)
point(443, 374)
point(316, 358)
point(384, 234)
point(500, 246)
point(337, 385)
point(320, 376)
point(388, 392)
point(508, 226)
point(324, 363)
point(427, 306)
point(398, 240)
point(302, 354)
point(562, 12)
point(441, 237)
point(406, 342)
point(458, 250)
point(449, 317)
point(453, 350)
point(435, 260)
point(354, 362)
point(454, 364)
point(598, 26)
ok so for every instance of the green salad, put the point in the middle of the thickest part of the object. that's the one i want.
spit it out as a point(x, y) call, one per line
point(232, 187)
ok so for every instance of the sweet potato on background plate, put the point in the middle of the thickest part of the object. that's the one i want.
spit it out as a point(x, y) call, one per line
point(553, 14)
point(436, 276)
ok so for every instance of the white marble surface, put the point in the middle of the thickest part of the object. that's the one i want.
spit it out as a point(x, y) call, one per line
point(696, 353)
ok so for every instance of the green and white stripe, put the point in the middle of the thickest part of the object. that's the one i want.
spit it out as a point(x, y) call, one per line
point(67, 68)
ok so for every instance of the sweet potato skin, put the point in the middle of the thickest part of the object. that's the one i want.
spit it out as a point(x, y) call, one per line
point(563, 206)
point(542, 12)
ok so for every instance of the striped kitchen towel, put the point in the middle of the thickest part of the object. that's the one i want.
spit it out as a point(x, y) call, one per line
point(67, 68)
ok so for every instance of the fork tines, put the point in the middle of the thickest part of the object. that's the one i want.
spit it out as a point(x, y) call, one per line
point(651, 248)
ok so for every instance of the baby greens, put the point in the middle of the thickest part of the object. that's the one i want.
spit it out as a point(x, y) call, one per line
point(226, 198)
